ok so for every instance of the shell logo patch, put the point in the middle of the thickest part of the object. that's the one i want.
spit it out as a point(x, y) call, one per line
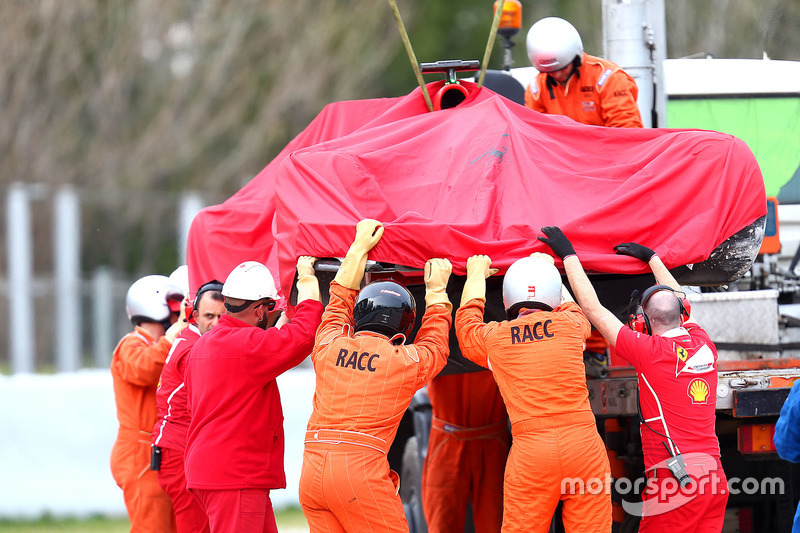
point(698, 391)
point(682, 354)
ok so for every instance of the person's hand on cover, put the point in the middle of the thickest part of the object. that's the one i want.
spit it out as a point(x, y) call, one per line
point(478, 265)
point(546, 257)
point(351, 272)
point(642, 253)
point(307, 284)
point(368, 233)
point(557, 241)
point(305, 266)
point(437, 273)
point(478, 269)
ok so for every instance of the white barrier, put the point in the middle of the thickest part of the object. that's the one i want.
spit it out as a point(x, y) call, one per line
point(58, 431)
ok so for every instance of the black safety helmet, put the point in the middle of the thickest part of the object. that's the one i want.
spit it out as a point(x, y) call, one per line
point(385, 307)
point(212, 285)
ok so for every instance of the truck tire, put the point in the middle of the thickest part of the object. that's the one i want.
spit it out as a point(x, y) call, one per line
point(411, 487)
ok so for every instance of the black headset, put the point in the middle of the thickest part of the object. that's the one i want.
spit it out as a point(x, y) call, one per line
point(213, 285)
point(638, 321)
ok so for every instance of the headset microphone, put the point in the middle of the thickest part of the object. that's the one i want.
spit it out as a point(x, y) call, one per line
point(632, 308)
point(634, 297)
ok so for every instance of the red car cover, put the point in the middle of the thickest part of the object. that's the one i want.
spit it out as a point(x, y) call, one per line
point(482, 177)
point(241, 228)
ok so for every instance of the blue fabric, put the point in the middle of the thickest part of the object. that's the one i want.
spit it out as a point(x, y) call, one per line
point(787, 437)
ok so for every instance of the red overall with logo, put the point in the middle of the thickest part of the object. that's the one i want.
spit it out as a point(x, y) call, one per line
point(364, 385)
point(677, 374)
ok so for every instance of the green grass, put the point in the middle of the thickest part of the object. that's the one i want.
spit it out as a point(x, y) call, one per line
point(70, 525)
point(286, 518)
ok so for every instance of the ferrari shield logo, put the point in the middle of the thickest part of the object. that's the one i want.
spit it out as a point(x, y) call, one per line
point(682, 354)
point(698, 391)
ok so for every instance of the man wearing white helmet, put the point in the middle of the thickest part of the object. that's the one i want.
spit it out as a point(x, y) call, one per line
point(235, 442)
point(536, 357)
point(588, 89)
point(151, 304)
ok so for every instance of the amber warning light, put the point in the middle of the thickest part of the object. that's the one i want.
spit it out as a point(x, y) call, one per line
point(511, 19)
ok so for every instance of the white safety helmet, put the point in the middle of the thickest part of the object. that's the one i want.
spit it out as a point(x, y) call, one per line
point(553, 43)
point(148, 299)
point(531, 282)
point(180, 277)
point(250, 281)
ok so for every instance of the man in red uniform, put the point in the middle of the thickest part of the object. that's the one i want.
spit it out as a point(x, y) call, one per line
point(467, 453)
point(676, 363)
point(571, 82)
point(169, 433)
point(366, 378)
point(536, 357)
point(135, 368)
point(235, 443)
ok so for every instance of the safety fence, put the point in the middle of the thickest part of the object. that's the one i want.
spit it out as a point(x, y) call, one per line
point(69, 257)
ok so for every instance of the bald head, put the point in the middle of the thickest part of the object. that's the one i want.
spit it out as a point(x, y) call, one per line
point(663, 310)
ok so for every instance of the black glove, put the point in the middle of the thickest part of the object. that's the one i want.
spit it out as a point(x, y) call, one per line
point(557, 241)
point(643, 253)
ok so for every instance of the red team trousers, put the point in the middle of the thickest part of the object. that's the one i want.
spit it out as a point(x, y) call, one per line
point(253, 510)
point(189, 514)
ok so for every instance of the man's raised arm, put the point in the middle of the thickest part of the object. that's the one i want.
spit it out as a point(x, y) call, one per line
point(604, 320)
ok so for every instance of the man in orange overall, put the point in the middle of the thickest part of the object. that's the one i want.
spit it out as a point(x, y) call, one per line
point(169, 433)
point(537, 360)
point(467, 453)
point(135, 368)
point(366, 378)
point(571, 82)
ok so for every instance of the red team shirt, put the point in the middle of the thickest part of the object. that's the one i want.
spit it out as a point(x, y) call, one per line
point(235, 438)
point(677, 377)
point(173, 415)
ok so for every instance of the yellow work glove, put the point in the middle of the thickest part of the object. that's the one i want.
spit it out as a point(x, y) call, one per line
point(477, 272)
point(546, 257)
point(307, 283)
point(178, 326)
point(368, 233)
point(437, 272)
